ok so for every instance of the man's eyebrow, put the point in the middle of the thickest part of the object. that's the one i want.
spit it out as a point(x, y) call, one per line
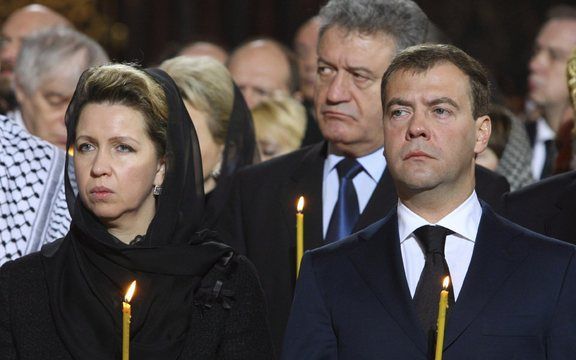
point(398, 101)
point(443, 100)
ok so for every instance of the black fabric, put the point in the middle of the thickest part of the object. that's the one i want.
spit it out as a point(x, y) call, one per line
point(240, 150)
point(549, 159)
point(312, 135)
point(432, 239)
point(346, 211)
point(89, 272)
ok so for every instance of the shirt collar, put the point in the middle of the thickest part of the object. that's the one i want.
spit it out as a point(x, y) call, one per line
point(543, 131)
point(373, 163)
point(463, 221)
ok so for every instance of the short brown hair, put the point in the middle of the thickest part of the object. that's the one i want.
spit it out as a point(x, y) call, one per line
point(421, 58)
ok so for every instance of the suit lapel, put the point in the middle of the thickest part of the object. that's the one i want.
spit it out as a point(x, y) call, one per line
point(496, 255)
point(306, 180)
point(379, 261)
point(383, 200)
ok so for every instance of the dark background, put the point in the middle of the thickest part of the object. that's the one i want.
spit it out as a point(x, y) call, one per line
point(497, 32)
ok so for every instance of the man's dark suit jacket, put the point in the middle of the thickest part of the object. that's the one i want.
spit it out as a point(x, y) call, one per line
point(547, 207)
point(261, 218)
point(352, 300)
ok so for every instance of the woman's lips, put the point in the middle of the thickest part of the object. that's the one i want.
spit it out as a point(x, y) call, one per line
point(100, 193)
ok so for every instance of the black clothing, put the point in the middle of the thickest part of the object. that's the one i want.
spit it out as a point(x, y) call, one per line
point(547, 207)
point(183, 272)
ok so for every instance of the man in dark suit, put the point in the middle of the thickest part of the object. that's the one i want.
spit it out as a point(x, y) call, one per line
point(375, 294)
point(547, 207)
point(358, 39)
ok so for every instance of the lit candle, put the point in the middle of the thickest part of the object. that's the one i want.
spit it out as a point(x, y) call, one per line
point(299, 233)
point(442, 306)
point(126, 315)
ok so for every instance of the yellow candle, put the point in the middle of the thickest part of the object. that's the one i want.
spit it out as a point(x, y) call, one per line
point(299, 233)
point(442, 306)
point(126, 315)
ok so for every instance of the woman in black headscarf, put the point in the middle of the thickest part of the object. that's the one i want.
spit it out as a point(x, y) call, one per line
point(136, 216)
point(223, 123)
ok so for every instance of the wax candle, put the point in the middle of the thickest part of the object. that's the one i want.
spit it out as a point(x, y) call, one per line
point(126, 315)
point(442, 306)
point(299, 233)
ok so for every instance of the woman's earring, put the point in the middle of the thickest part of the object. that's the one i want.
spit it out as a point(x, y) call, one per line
point(157, 190)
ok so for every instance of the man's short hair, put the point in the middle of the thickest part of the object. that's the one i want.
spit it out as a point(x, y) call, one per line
point(46, 50)
point(403, 20)
point(421, 58)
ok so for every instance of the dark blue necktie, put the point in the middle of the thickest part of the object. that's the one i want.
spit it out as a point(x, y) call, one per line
point(346, 211)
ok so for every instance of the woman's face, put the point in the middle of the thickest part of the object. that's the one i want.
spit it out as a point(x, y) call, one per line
point(210, 150)
point(117, 167)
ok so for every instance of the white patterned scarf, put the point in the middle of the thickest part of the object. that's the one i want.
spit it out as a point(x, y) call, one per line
point(33, 209)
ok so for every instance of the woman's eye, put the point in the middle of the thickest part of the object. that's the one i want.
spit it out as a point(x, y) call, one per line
point(124, 148)
point(84, 147)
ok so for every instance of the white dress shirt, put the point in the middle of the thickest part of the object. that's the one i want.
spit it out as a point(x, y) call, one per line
point(543, 133)
point(463, 221)
point(364, 183)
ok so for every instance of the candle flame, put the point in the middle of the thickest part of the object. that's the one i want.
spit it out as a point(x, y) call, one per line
point(71, 150)
point(130, 292)
point(300, 205)
point(446, 282)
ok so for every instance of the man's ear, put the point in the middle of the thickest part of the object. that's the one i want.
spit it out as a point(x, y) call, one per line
point(483, 131)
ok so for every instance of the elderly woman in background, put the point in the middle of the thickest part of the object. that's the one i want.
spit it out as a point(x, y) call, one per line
point(280, 123)
point(222, 121)
point(137, 216)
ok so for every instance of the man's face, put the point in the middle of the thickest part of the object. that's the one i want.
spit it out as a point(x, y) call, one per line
point(260, 70)
point(43, 111)
point(305, 45)
point(547, 80)
point(347, 99)
point(19, 25)
point(430, 135)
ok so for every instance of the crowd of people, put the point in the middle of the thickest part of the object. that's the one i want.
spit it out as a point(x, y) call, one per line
point(185, 176)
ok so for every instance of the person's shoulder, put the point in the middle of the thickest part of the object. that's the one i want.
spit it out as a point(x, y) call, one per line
point(23, 268)
point(531, 240)
point(544, 189)
point(486, 176)
point(346, 246)
point(282, 165)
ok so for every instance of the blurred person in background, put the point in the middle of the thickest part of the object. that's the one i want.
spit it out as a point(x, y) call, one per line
point(305, 44)
point(547, 86)
point(280, 123)
point(48, 67)
point(21, 23)
point(262, 68)
point(205, 48)
point(222, 121)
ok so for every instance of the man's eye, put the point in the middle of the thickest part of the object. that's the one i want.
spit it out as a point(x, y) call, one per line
point(398, 112)
point(441, 111)
point(323, 70)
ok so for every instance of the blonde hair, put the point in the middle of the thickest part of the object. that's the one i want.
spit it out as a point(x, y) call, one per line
point(207, 85)
point(282, 118)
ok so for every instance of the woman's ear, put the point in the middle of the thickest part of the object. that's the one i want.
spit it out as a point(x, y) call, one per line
point(160, 172)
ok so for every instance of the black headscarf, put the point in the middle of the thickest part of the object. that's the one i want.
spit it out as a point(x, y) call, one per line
point(240, 150)
point(89, 272)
